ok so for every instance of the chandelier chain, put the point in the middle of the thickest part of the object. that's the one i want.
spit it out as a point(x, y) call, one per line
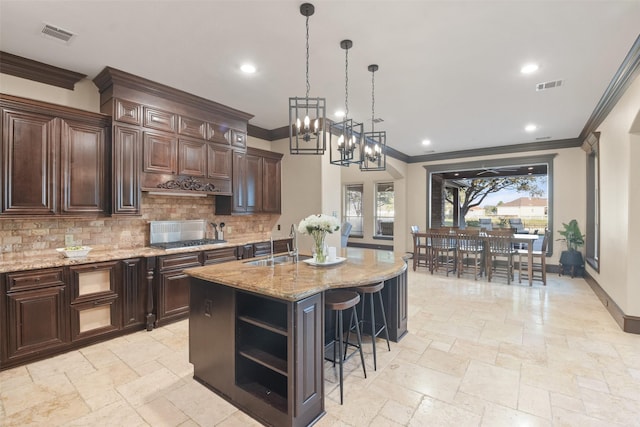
point(307, 59)
point(373, 101)
point(346, 83)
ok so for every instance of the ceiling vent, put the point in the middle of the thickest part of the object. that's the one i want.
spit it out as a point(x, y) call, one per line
point(542, 138)
point(548, 85)
point(56, 33)
point(378, 120)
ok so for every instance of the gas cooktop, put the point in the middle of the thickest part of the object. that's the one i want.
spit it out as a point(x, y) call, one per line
point(186, 243)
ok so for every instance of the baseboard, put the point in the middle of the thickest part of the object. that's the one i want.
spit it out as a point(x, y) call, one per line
point(630, 324)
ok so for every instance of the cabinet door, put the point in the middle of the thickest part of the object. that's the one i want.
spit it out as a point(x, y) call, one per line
point(253, 183)
point(134, 293)
point(173, 296)
point(308, 342)
point(83, 168)
point(36, 321)
point(239, 182)
point(126, 170)
point(28, 145)
point(192, 158)
point(160, 153)
point(219, 161)
point(271, 185)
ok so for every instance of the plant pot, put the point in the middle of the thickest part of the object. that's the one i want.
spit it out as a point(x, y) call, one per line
point(571, 262)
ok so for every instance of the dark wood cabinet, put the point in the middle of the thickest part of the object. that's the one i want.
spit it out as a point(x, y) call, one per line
point(219, 161)
point(217, 256)
point(83, 152)
point(271, 185)
point(265, 356)
point(256, 182)
point(125, 190)
point(192, 158)
point(160, 153)
point(36, 314)
point(54, 159)
point(173, 286)
point(95, 290)
point(133, 293)
point(238, 138)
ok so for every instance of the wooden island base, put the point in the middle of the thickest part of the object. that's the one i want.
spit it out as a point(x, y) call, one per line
point(264, 353)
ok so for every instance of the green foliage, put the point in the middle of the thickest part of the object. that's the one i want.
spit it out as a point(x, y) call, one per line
point(572, 235)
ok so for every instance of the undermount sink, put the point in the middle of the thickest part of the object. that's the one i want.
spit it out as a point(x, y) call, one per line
point(276, 260)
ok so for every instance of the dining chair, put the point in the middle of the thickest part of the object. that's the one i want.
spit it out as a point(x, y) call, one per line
point(420, 249)
point(469, 252)
point(538, 264)
point(500, 256)
point(486, 223)
point(443, 250)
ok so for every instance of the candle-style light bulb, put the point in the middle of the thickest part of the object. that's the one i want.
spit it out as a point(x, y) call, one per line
point(306, 123)
point(298, 124)
point(316, 126)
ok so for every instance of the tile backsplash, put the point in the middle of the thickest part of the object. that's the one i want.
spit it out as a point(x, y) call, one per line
point(36, 234)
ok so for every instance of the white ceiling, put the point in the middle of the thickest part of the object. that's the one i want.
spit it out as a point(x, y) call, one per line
point(449, 70)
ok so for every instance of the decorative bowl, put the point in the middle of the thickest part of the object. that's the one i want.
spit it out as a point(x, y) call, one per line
point(75, 251)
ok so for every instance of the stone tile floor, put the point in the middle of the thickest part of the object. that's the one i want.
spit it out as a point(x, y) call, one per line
point(477, 354)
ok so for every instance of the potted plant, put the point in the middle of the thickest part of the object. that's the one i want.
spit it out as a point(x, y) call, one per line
point(571, 259)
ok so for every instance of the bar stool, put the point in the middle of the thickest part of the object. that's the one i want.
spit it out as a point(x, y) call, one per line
point(376, 329)
point(339, 301)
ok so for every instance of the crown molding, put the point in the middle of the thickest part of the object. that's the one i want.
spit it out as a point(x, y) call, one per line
point(627, 72)
point(37, 71)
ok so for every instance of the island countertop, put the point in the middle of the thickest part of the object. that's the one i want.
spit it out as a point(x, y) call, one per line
point(295, 281)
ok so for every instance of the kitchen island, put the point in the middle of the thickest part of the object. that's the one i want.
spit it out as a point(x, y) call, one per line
point(256, 333)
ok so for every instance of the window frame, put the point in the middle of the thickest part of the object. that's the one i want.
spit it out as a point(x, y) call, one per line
point(347, 218)
point(377, 235)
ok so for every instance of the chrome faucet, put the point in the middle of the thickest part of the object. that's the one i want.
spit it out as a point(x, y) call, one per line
point(294, 251)
point(271, 240)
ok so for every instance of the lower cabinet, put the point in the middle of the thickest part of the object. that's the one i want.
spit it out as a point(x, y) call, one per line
point(36, 315)
point(264, 354)
point(94, 295)
point(173, 286)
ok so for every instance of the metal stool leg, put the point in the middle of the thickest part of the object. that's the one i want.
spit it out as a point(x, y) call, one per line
point(384, 321)
point(340, 343)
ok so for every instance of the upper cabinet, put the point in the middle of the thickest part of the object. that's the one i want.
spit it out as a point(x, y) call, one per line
point(256, 184)
point(184, 142)
point(54, 159)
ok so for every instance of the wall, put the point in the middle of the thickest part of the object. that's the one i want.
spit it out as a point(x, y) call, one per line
point(569, 189)
point(32, 235)
point(85, 96)
point(395, 172)
point(620, 203)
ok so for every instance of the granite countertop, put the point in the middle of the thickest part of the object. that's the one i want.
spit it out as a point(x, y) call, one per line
point(49, 258)
point(294, 282)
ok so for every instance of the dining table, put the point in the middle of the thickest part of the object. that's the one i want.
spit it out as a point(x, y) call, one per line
point(528, 239)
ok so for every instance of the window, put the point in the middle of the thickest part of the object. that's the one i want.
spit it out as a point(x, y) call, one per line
point(591, 146)
point(353, 208)
point(385, 211)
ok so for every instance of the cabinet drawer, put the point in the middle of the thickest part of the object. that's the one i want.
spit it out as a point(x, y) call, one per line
point(192, 127)
point(92, 281)
point(31, 280)
point(220, 255)
point(158, 119)
point(179, 261)
point(93, 318)
point(127, 112)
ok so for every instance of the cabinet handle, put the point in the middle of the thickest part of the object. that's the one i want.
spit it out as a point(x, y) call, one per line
point(37, 279)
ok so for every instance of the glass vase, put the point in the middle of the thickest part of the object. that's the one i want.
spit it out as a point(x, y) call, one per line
point(318, 238)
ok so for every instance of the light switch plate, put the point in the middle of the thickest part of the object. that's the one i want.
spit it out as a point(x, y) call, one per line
point(68, 240)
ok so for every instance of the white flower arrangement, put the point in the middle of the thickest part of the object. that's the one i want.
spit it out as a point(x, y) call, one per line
point(320, 222)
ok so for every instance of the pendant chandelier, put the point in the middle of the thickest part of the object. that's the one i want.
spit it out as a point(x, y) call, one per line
point(307, 115)
point(374, 153)
point(345, 137)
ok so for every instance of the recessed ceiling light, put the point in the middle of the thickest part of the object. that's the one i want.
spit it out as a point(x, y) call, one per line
point(426, 142)
point(248, 68)
point(339, 113)
point(530, 127)
point(456, 174)
point(530, 168)
point(529, 68)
